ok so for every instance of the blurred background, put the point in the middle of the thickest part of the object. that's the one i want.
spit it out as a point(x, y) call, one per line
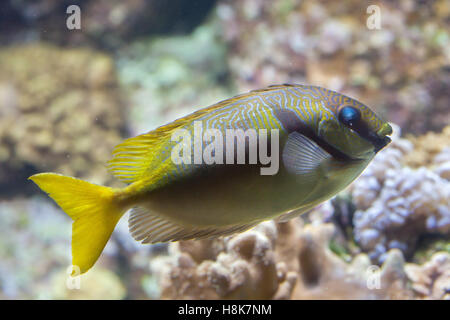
point(68, 96)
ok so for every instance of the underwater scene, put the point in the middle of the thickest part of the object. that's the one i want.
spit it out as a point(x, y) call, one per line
point(99, 199)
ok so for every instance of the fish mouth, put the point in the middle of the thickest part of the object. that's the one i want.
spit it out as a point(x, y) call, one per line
point(381, 139)
point(380, 143)
point(378, 139)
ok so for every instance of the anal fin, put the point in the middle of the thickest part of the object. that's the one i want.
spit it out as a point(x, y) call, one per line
point(147, 227)
point(294, 213)
point(285, 217)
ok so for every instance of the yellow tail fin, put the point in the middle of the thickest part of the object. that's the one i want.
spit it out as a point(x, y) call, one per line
point(93, 210)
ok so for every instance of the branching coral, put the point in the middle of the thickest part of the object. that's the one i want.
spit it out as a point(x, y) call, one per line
point(409, 204)
point(442, 163)
point(285, 261)
point(432, 279)
point(324, 275)
point(241, 267)
point(60, 110)
point(397, 204)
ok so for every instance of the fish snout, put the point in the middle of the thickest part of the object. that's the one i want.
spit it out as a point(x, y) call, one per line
point(385, 130)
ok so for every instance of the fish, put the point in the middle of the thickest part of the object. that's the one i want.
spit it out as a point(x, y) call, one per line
point(323, 139)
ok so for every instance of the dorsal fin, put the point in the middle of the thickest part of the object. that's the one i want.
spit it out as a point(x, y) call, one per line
point(134, 156)
point(130, 158)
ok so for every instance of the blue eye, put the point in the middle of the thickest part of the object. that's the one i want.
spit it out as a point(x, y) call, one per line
point(349, 116)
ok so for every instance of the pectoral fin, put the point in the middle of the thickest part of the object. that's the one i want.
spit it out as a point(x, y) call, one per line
point(302, 156)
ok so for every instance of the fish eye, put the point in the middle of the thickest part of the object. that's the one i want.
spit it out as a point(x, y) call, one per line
point(349, 116)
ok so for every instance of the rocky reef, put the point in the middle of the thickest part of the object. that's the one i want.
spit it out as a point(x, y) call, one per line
point(60, 110)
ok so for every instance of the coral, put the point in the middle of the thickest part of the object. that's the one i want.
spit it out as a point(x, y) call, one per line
point(242, 267)
point(442, 163)
point(401, 69)
point(60, 110)
point(429, 149)
point(409, 204)
point(398, 204)
point(284, 261)
point(324, 275)
point(431, 280)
